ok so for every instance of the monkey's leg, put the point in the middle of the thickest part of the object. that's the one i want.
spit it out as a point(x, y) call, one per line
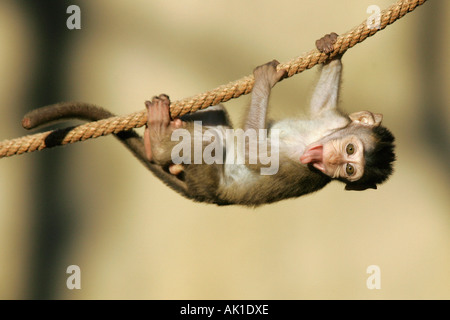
point(130, 138)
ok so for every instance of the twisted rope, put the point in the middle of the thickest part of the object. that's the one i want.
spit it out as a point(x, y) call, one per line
point(222, 93)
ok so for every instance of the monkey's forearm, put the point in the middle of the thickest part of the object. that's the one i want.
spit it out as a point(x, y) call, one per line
point(266, 76)
point(326, 94)
point(256, 117)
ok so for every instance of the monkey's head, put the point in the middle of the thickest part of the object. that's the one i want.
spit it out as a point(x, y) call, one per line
point(360, 155)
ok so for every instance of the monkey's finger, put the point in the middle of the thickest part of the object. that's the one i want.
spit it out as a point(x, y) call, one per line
point(319, 44)
point(333, 37)
point(274, 63)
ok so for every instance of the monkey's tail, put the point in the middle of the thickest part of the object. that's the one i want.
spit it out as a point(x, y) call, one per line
point(90, 112)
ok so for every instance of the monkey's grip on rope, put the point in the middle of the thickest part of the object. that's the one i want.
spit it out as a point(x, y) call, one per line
point(222, 93)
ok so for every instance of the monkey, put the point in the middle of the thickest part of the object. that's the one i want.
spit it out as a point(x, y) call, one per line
point(327, 145)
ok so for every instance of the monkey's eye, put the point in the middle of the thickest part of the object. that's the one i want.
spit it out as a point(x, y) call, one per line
point(350, 169)
point(350, 149)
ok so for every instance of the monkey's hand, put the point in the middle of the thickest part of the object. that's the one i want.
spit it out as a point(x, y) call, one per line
point(326, 43)
point(268, 74)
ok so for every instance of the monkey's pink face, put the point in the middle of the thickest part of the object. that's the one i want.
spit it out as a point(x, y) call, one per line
point(337, 158)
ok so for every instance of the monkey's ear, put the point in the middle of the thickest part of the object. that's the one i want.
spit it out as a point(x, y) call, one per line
point(367, 118)
point(359, 187)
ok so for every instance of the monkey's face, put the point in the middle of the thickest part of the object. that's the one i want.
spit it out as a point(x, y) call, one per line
point(341, 154)
point(341, 157)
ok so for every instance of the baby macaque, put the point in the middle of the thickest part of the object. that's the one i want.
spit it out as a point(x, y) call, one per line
point(207, 161)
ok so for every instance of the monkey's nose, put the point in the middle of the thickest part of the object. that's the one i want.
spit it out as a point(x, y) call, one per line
point(335, 159)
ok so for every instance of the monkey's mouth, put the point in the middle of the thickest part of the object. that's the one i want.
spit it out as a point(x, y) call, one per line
point(314, 156)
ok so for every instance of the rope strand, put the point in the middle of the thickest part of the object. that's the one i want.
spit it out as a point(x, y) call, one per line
point(222, 93)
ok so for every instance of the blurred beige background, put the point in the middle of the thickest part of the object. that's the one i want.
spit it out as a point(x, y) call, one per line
point(93, 205)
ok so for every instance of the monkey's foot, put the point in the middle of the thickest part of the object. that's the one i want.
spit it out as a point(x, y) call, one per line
point(158, 112)
point(159, 127)
point(158, 121)
point(268, 73)
point(326, 43)
point(158, 116)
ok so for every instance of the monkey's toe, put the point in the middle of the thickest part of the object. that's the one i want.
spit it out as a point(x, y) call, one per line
point(161, 101)
point(164, 98)
point(155, 99)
